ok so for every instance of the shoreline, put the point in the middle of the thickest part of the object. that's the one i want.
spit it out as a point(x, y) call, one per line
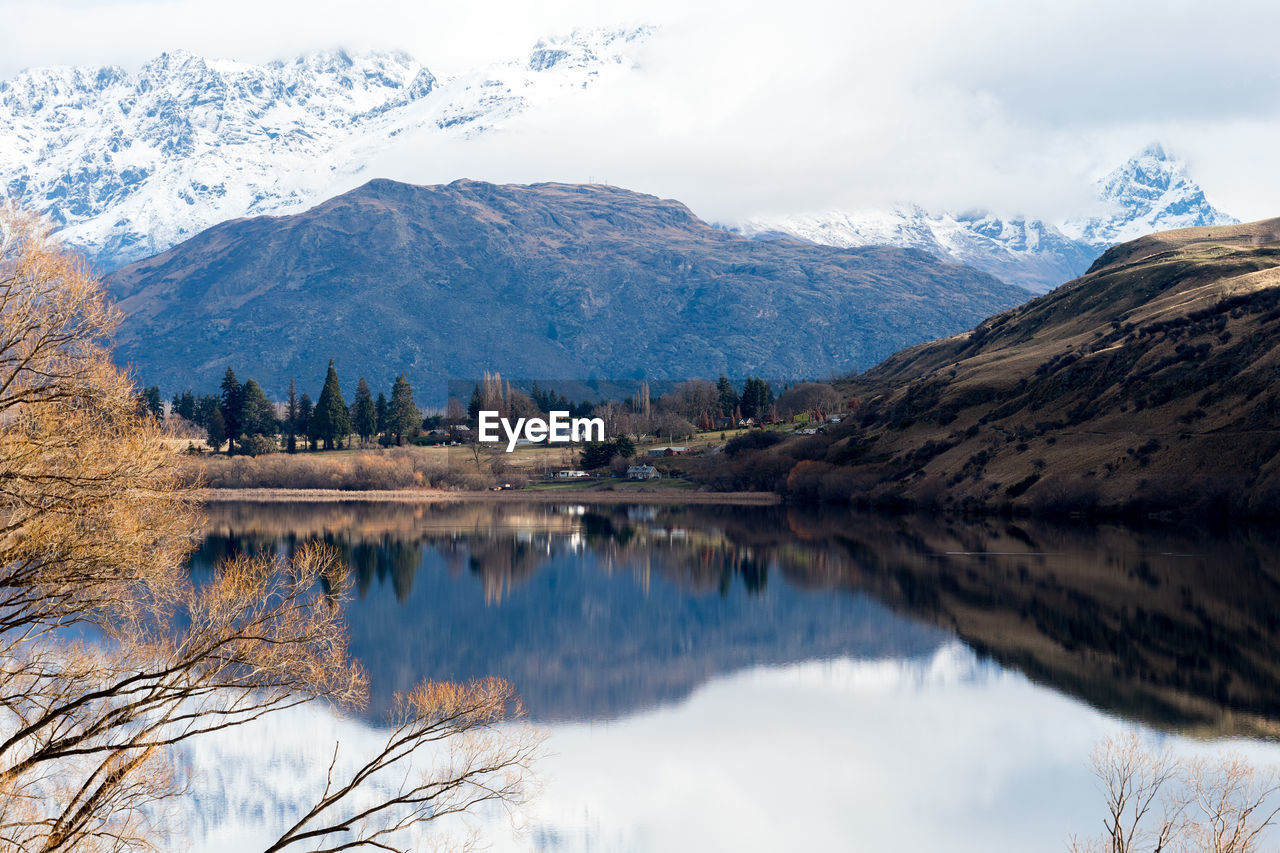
point(509, 496)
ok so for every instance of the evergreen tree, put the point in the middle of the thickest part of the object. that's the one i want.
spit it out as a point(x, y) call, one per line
point(229, 405)
point(364, 414)
point(184, 405)
point(331, 420)
point(757, 397)
point(151, 404)
point(291, 419)
point(728, 396)
point(476, 405)
point(405, 417)
point(382, 411)
point(257, 415)
point(217, 430)
point(596, 454)
point(205, 406)
point(306, 420)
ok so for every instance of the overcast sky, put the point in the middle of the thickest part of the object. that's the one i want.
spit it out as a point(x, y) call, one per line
point(753, 108)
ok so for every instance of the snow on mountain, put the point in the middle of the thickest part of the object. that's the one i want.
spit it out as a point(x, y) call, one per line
point(1026, 252)
point(1150, 192)
point(129, 164)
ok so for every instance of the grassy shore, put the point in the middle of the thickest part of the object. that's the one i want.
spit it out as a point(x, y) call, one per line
point(419, 474)
point(649, 495)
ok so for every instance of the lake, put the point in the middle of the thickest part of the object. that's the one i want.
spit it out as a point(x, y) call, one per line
point(764, 678)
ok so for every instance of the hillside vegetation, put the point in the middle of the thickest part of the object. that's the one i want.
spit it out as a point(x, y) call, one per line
point(551, 281)
point(1146, 385)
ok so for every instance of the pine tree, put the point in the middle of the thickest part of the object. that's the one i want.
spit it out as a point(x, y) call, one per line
point(382, 412)
point(291, 419)
point(540, 398)
point(364, 414)
point(477, 403)
point(230, 406)
point(205, 406)
point(728, 396)
point(257, 415)
point(306, 421)
point(151, 403)
point(217, 430)
point(184, 405)
point(331, 419)
point(405, 417)
point(757, 397)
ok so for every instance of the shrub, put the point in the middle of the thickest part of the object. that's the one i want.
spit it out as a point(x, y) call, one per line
point(756, 439)
point(257, 445)
point(367, 470)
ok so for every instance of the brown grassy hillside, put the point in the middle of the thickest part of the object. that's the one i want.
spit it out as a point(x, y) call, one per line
point(1148, 384)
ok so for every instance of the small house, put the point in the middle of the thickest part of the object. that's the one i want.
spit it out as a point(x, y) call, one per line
point(642, 472)
point(571, 475)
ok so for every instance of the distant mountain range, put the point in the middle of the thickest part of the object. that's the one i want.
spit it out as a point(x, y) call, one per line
point(1150, 192)
point(130, 164)
point(558, 281)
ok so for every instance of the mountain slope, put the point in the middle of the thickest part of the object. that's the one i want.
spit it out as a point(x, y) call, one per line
point(131, 164)
point(1147, 384)
point(1150, 192)
point(549, 280)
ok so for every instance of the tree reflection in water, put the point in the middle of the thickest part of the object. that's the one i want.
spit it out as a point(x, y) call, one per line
point(602, 610)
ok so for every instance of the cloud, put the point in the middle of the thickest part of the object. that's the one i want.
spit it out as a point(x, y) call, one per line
point(754, 108)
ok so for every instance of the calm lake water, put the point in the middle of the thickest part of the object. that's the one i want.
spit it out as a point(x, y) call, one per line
point(742, 678)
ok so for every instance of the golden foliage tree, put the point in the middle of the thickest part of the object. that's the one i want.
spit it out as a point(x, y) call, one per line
point(110, 655)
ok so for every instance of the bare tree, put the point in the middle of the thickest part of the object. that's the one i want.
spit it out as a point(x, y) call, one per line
point(110, 655)
point(1230, 802)
point(1135, 782)
point(808, 397)
point(1156, 803)
point(691, 399)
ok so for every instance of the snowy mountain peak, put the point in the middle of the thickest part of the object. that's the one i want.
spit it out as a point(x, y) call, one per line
point(1152, 191)
point(1026, 252)
point(583, 48)
point(129, 164)
point(1155, 151)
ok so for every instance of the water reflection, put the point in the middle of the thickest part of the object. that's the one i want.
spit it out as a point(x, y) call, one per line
point(603, 611)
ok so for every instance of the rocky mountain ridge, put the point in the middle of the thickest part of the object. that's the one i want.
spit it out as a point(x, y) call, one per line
point(130, 164)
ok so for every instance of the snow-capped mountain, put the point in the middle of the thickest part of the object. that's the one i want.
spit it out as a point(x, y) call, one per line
point(1150, 192)
point(1026, 252)
point(129, 164)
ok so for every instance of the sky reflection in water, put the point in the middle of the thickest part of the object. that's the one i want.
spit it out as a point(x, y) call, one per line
point(746, 679)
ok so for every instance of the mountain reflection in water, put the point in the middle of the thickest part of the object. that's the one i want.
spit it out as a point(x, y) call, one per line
point(600, 612)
